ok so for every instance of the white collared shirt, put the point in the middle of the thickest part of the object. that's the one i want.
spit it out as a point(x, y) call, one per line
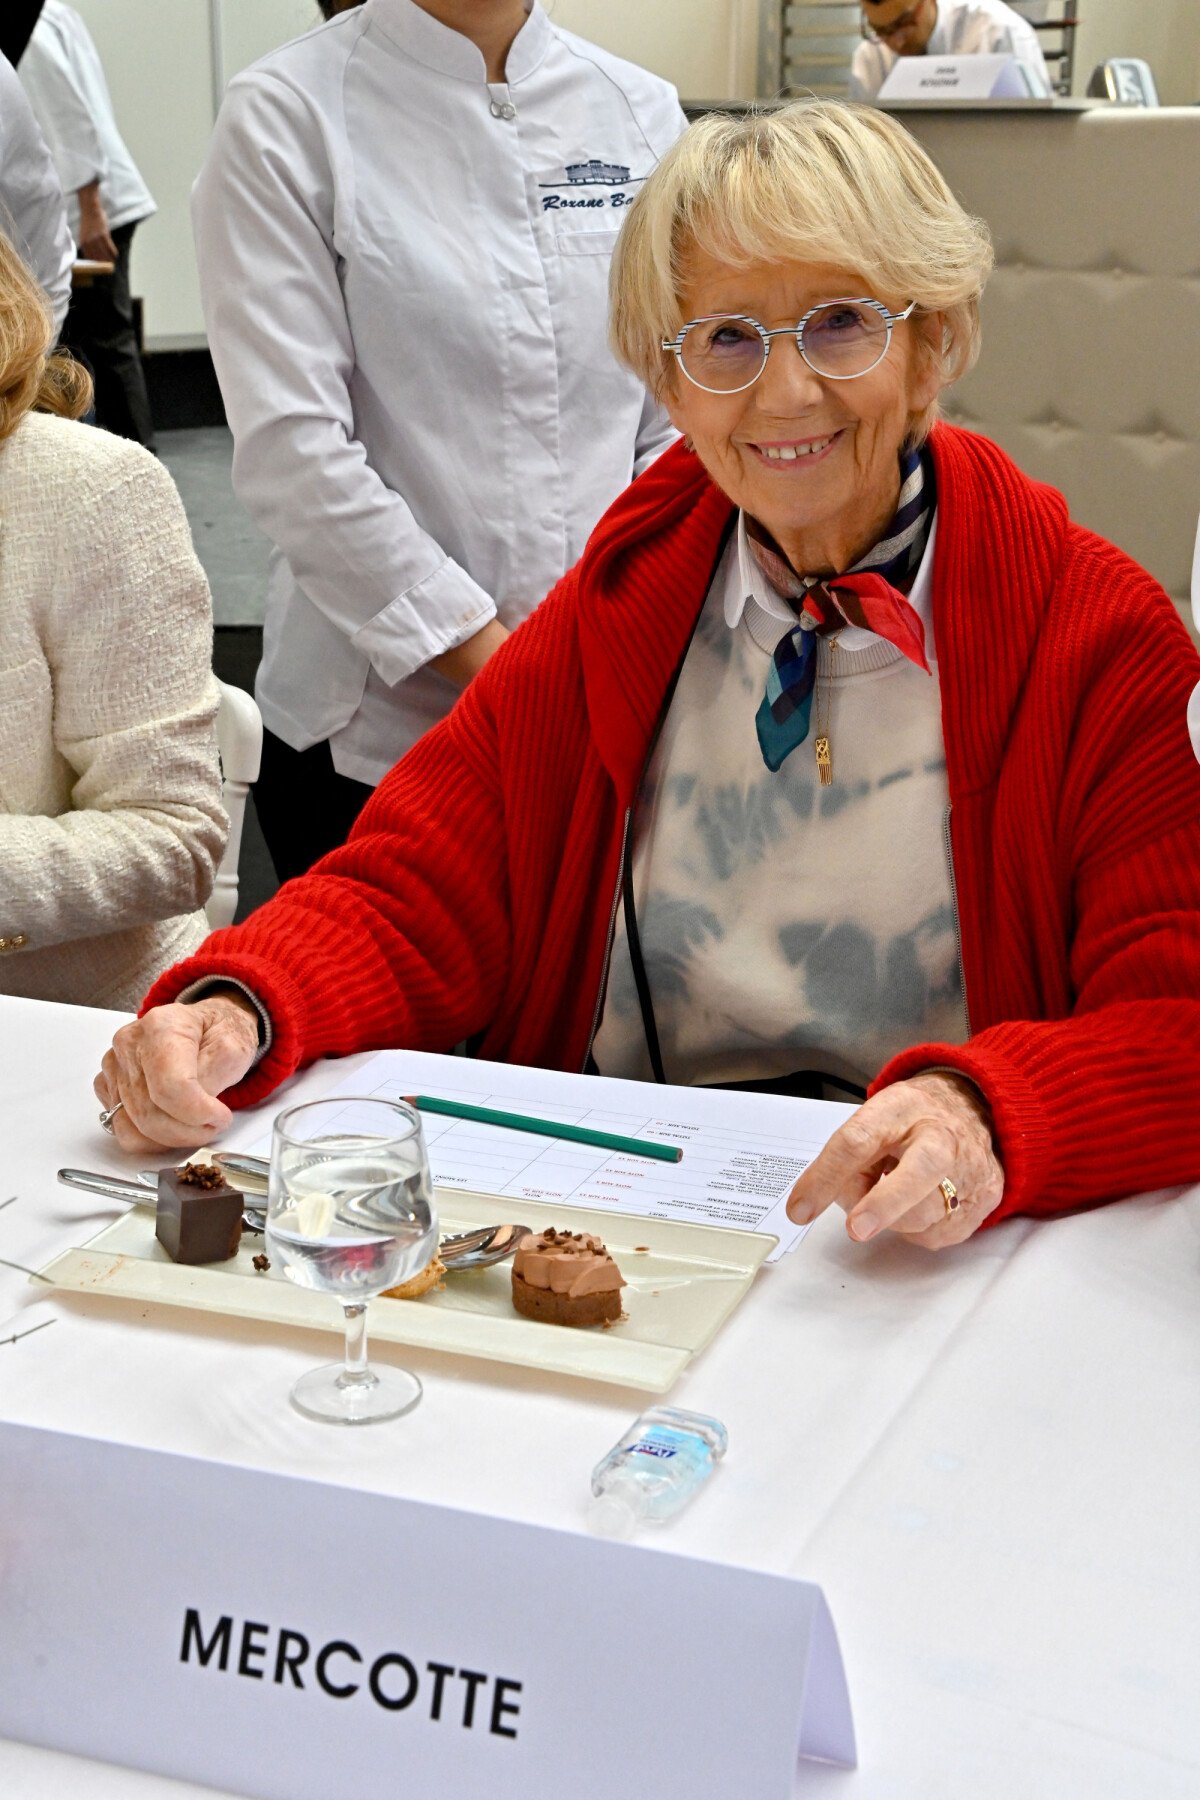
point(64, 78)
point(32, 214)
point(964, 28)
point(406, 298)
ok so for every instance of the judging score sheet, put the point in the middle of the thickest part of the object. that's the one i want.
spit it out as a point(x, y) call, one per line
point(742, 1152)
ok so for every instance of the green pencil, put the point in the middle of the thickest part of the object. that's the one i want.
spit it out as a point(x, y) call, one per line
point(578, 1134)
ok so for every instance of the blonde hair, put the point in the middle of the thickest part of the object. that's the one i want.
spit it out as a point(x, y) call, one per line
point(815, 181)
point(30, 377)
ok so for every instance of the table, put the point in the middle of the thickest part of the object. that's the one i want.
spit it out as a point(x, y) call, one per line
point(984, 1457)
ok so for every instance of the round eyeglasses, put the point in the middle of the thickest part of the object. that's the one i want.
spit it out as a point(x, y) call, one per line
point(726, 352)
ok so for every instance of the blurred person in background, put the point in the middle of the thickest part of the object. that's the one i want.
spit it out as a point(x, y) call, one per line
point(111, 823)
point(895, 28)
point(33, 214)
point(107, 200)
point(404, 228)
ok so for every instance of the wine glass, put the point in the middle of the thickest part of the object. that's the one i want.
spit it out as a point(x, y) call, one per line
point(350, 1211)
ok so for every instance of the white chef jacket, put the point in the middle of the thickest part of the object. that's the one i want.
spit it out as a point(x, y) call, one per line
point(32, 214)
point(964, 28)
point(406, 300)
point(62, 74)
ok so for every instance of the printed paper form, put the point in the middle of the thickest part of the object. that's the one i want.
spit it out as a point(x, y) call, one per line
point(741, 1152)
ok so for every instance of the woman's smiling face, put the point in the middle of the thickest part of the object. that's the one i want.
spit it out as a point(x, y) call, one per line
point(814, 461)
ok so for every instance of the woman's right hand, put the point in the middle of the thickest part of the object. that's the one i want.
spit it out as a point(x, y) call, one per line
point(169, 1068)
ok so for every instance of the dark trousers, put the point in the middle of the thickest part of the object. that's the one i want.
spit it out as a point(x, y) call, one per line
point(304, 806)
point(99, 329)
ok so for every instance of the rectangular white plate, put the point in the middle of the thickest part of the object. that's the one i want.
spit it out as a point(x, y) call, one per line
point(682, 1286)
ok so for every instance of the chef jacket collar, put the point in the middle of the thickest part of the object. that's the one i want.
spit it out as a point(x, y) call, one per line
point(436, 46)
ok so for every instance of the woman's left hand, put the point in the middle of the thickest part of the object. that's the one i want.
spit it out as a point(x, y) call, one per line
point(884, 1165)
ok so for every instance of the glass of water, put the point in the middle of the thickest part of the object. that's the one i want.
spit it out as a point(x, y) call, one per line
point(350, 1212)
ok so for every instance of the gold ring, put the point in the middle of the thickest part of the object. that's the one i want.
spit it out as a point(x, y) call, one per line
point(949, 1196)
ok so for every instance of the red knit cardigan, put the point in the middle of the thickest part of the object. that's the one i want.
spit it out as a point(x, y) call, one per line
point(476, 891)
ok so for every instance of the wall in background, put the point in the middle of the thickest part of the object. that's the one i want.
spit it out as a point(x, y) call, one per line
point(159, 60)
point(708, 48)
point(161, 83)
point(159, 63)
point(1164, 33)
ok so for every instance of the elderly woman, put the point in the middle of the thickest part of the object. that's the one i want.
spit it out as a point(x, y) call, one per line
point(842, 753)
point(110, 792)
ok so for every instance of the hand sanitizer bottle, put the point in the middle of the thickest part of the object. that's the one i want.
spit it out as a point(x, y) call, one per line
point(655, 1469)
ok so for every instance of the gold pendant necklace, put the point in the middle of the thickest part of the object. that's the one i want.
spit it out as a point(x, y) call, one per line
point(821, 746)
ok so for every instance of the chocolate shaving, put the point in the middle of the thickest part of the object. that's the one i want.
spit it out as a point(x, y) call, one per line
point(262, 1264)
point(201, 1175)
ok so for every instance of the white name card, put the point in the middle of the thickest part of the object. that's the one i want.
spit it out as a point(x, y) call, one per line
point(961, 78)
point(292, 1640)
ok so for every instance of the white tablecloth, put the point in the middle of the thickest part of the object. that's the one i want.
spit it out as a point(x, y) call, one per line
point(987, 1458)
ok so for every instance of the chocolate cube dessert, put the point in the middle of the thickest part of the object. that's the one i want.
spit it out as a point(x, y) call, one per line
point(199, 1216)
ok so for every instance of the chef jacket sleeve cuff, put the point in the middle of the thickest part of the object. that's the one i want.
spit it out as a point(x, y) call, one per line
point(200, 990)
point(434, 615)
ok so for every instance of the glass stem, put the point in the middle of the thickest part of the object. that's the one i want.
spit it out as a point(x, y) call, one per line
point(356, 1343)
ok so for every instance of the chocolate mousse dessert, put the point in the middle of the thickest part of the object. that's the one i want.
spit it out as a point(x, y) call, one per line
point(566, 1278)
point(199, 1216)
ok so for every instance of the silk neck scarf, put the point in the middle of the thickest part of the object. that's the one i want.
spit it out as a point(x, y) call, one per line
point(870, 595)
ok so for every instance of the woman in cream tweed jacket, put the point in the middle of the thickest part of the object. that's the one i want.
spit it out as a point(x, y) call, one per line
point(111, 822)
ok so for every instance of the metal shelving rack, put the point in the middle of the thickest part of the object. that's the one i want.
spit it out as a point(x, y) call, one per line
point(805, 46)
point(1056, 35)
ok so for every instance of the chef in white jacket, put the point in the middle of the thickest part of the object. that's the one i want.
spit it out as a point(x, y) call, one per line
point(404, 228)
point(106, 201)
point(938, 28)
point(33, 214)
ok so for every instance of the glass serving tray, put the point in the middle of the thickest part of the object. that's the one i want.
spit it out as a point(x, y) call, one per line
point(683, 1281)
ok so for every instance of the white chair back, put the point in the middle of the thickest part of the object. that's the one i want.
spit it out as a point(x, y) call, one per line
point(239, 740)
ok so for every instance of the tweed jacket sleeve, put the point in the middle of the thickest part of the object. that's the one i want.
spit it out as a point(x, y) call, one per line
point(402, 935)
point(110, 799)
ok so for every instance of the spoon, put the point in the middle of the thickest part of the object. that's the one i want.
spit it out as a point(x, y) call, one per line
point(140, 1192)
point(477, 1248)
point(480, 1248)
point(247, 1172)
point(254, 1218)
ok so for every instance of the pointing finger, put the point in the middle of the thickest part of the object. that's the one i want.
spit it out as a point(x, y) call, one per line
point(846, 1169)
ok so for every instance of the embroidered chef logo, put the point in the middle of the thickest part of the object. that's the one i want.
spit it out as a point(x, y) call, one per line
point(575, 184)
